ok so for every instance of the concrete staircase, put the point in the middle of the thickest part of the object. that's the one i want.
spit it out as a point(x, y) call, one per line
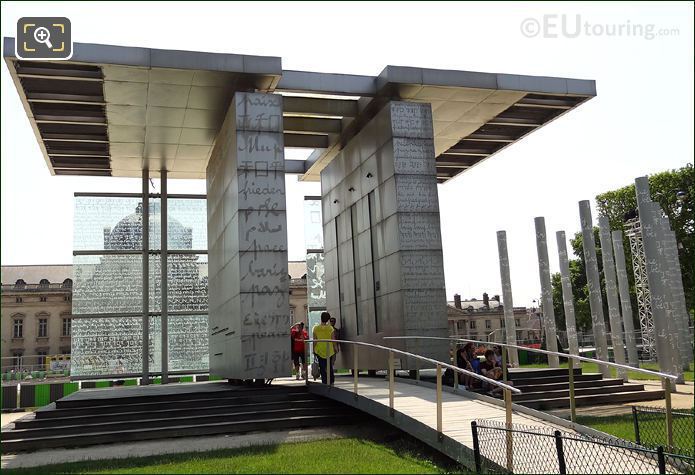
point(129, 414)
point(549, 389)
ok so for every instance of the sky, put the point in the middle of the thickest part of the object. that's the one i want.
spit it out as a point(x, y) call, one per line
point(641, 122)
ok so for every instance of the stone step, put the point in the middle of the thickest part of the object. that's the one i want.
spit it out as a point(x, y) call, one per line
point(147, 433)
point(563, 393)
point(577, 384)
point(594, 400)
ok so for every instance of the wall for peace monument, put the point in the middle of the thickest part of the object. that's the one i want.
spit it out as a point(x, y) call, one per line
point(382, 238)
point(247, 237)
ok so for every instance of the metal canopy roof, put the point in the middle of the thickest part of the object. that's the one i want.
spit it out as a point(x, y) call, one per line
point(113, 110)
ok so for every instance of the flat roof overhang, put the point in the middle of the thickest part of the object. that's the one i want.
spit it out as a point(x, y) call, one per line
point(114, 110)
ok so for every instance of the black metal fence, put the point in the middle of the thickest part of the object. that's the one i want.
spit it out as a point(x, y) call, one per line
point(650, 429)
point(527, 449)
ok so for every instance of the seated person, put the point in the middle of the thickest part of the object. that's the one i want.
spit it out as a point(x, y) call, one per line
point(490, 369)
point(463, 361)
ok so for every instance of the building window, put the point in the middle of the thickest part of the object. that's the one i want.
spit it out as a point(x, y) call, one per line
point(292, 315)
point(17, 359)
point(43, 283)
point(517, 322)
point(43, 299)
point(67, 298)
point(472, 325)
point(67, 284)
point(18, 328)
point(42, 358)
point(461, 324)
point(488, 324)
point(43, 327)
point(518, 335)
point(18, 299)
point(67, 326)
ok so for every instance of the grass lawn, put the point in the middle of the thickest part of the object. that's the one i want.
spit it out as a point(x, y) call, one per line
point(593, 368)
point(327, 456)
point(652, 429)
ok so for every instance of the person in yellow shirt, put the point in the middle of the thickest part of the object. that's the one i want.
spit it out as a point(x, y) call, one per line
point(325, 350)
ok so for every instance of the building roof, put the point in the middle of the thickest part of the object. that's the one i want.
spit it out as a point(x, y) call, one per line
point(296, 269)
point(33, 274)
point(476, 304)
point(114, 110)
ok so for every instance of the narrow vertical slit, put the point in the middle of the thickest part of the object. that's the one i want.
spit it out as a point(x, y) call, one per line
point(355, 266)
point(372, 243)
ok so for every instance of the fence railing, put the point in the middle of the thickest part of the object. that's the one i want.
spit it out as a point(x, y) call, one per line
point(667, 379)
point(650, 423)
point(391, 368)
point(502, 448)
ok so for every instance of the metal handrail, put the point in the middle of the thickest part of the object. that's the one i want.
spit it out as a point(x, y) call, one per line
point(426, 359)
point(391, 372)
point(536, 350)
point(665, 377)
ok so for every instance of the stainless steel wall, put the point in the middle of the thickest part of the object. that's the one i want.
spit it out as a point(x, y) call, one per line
point(382, 237)
point(247, 242)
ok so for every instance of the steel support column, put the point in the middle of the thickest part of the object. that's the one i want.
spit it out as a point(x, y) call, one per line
point(595, 300)
point(546, 291)
point(567, 297)
point(145, 277)
point(509, 323)
point(165, 279)
point(604, 228)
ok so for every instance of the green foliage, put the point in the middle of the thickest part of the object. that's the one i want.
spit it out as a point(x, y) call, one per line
point(615, 205)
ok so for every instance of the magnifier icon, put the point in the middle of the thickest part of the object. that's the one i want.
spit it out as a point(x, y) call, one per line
point(42, 35)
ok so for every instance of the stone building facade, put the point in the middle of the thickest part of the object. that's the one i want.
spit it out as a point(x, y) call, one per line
point(36, 314)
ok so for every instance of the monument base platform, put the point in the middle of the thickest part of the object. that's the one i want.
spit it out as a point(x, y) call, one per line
point(132, 413)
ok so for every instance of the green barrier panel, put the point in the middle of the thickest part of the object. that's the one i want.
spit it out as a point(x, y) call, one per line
point(103, 384)
point(157, 381)
point(186, 379)
point(42, 395)
point(215, 378)
point(69, 388)
point(523, 357)
point(131, 382)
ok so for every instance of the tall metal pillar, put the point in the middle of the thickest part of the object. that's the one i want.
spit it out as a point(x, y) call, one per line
point(145, 277)
point(625, 303)
point(509, 323)
point(546, 291)
point(604, 229)
point(657, 276)
point(567, 297)
point(592, 277)
point(677, 294)
point(165, 279)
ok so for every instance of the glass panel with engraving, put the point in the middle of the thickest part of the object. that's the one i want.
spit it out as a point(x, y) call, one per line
point(107, 284)
point(107, 223)
point(112, 346)
point(187, 281)
point(313, 225)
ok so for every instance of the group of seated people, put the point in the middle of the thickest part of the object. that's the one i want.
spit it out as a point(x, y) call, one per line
point(490, 367)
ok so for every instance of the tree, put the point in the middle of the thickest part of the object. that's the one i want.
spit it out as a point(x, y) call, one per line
point(680, 209)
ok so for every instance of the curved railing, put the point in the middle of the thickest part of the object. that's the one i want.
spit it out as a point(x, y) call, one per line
point(665, 377)
point(391, 372)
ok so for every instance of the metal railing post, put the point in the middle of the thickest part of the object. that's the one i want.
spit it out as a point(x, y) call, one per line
point(391, 383)
point(661, 459)
point(560, 453)
point(307, 356)
point(635, 422)
point(573, 401)
point(508, 420)
point(476, 447)
point(356, 370)
point(417, 361)
point(669, 414)
point(439, 401)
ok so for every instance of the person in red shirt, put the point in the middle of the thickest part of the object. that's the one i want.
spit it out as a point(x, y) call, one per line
point(298, 334)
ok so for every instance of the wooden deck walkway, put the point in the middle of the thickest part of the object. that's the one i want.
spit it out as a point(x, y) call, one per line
point(415, 412)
